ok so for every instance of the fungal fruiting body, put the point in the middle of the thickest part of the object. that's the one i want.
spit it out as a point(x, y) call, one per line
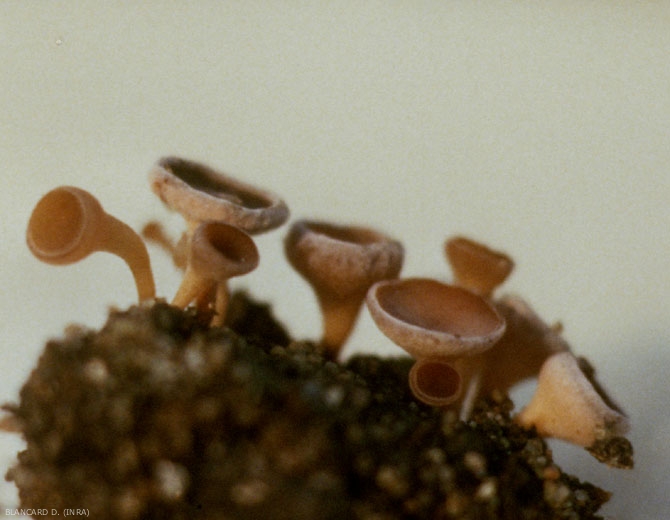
point(447, 329)
point(566, 405)
point(435, 381)
point(341, 263)
point(68, 224)
point(200, 193)
point(217, 253)
point(477, 267)
point(528, 341)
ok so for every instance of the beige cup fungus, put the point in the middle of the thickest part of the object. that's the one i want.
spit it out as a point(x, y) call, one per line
point(68, 224)
point(477, 267)
point(341, 263)
point(200, 193)
point(445, 328)
point(568, 406)
point(525, 346)
point(217, 253)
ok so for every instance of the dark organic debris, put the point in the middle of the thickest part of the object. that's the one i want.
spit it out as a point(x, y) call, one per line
point(159, 416)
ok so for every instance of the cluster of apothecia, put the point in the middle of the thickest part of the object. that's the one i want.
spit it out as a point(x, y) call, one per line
point(465, 341)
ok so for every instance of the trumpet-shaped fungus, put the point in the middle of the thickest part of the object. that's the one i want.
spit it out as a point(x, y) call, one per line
point(217, 253)
point(68, 224)
point(341, 263)
point(477, 267)
point(568, 406)
point(528, 341)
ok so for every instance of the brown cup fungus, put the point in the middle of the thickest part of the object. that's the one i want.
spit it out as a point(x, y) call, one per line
point(200, 193)
point(445, 328)
point(341, 263)
point(476, 267)
point(528, 341)
point(435, 381)
point(217, 253)
point(68, 224)
point(567, 405)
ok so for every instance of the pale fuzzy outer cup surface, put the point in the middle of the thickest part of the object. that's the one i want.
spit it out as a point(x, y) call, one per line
point(200, 193)
point(339, 259)
point(567, 406)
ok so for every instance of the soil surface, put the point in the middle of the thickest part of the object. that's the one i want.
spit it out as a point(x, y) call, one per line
point(157, 416)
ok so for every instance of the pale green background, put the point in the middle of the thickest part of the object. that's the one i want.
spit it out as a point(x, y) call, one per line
point(539, 128)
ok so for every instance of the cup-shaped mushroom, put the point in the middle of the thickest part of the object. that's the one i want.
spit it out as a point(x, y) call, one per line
point(68, 224)
point(566, 405)
point(201, 193)
point(217, 252)
point(431, 319)
point(475, 266)
point(341, 263)
point(528, 341)
point(154, 232)
point(435, 381)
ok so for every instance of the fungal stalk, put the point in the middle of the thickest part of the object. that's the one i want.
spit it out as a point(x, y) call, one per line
point(217, 253)
point(154, 232)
